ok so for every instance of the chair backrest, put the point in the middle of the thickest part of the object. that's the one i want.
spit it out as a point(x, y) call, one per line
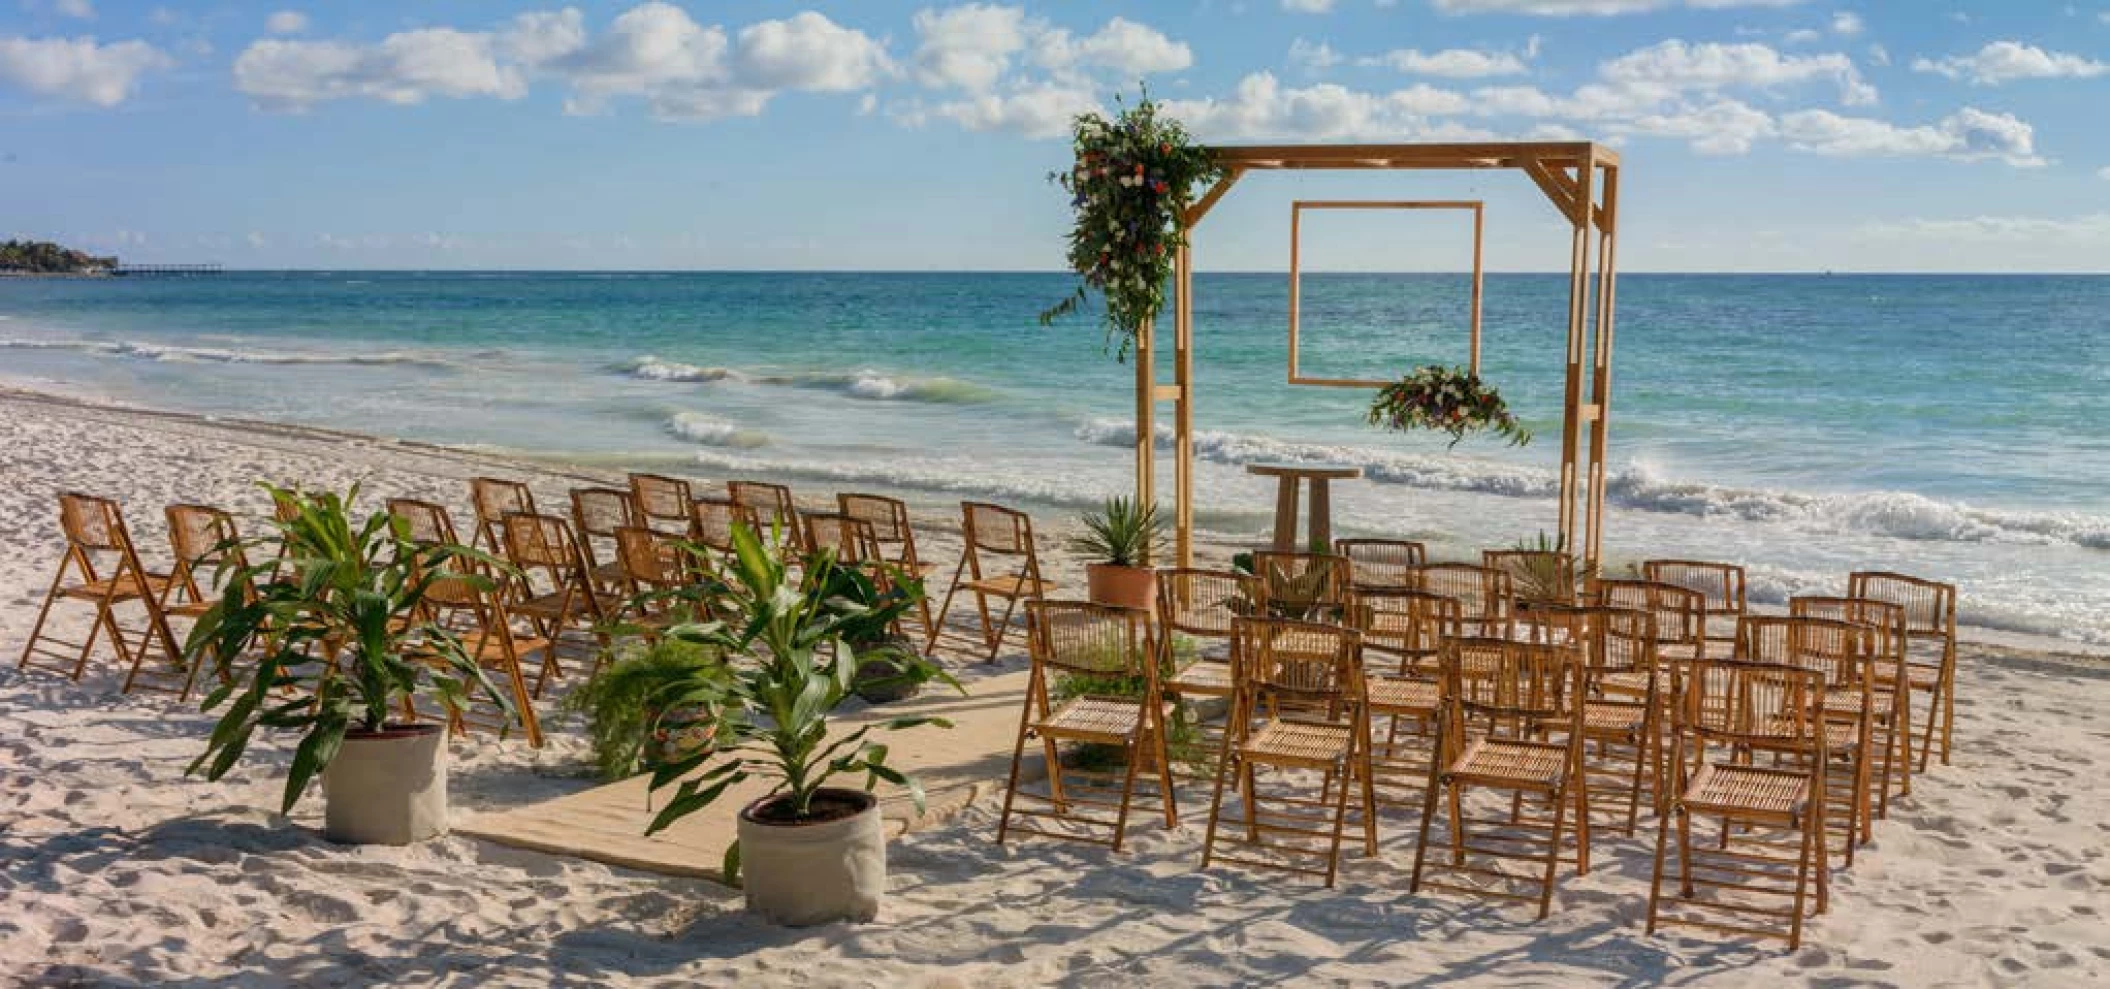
point(206, 542)
point(1510, 686)
point(650, 558)
point(1282, 664)
point(1485, 597)
point(888, 518)
point(849, 538)
point(660, 498)
point(601, 511)
point(426, 524)
point(1752, 704)
point(1077, 638)
point(543, 542)
point(711, 521)
point(286, 503)
point(1930, 605)
point(495, 498)
point(1888, 639)
point(1838, 650)
point(1406, 623)
point(995, 529)
point(1303, 586)
point(1722, 584)
point(1678, 614)
point(1614, 639)
point(92, 523)
point(772, 506)
point(1206, 602)
point(1537, 576)
point(1380, 562)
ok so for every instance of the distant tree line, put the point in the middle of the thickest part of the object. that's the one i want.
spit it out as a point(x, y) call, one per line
point(45, 257)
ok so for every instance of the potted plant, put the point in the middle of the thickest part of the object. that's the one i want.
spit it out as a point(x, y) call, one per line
point(628, 724)
point(1450, 399)
point(1130, 185)
point(1121, 537)
point(341, 649)
point(808, 852)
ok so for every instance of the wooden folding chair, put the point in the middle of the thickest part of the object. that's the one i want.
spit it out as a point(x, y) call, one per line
point(479, 619)
point(774, 509)
point(1005, 537)
point(1297, 709)
point(424, 523)
point(1195, 612)
point(493, 499)
point(1623, 704)
point(1078, 639)
point(657, 569)
point(1722, 584)
point(1729, 711)
point(711, 522)
point(208, 547)
point(1930, 644)
point(1842, 652)
point(1486, 599)
point(661, 502)
point(1403, 633)
point(101, 566)
point(544, 546)
point(1310, 587)
point(1380, 562)
point(596, 513)
point(1890, 692)
point(888, 518)
point(1512, 722)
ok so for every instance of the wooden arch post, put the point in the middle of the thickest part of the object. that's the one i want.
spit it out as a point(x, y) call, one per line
point(1581, 179)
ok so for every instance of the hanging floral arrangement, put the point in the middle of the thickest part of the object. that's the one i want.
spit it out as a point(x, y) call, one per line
point(1451, 399)
point(1130, 186)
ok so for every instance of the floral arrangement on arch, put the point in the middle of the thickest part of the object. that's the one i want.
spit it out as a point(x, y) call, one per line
point(1130, 187)
point(1450, 399)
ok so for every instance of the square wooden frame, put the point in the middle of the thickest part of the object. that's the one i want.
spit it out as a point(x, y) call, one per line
point(1296, 276)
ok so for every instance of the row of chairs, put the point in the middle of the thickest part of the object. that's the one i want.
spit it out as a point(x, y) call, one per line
point(1821, 696)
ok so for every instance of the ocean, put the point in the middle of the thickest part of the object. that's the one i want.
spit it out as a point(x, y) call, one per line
point(1949, 426)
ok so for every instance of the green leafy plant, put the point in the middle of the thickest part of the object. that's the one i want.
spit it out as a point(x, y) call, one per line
point(335, 628)
point(789, 641)
point(622, 702)
point(1549, 574)
point(1452, 400)
point(1123, 533)
point(1129, 187)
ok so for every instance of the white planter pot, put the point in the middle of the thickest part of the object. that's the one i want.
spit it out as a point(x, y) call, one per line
point(387, 787)
point(799, 875)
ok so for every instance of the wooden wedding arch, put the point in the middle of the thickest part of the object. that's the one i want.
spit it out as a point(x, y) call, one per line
point(1581, 179)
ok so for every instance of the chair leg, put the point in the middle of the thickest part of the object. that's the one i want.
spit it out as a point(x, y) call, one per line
point(36, 631)
point(1948, 700)
point(1128, 790)
point(1216, 799)
point(1428, 814)
point(1553, 850)
point(1018, 753)
point(1369, 807)
point(1340, 826)
point(1164, 756)
point(1003, 628)
point(1802, 878)
point(1655, 883)
point(1055, 791)
point(930, 646)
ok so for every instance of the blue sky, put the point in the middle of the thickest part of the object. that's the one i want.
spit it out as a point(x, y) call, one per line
point(1757, 134)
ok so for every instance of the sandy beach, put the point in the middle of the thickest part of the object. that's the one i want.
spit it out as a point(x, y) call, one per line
point(116, 869)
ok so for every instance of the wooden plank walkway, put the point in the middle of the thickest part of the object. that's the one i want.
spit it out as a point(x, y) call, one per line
point(957, 766)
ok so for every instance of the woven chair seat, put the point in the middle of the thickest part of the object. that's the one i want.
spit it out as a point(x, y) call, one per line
point(1206, 677)
point(1620, 719)
point(124, 588)
point(1009, 587)
point(1395, 695)
point(1299, 743)
point(1880, 700)
point(1505, 762)
point(1107, 718)
point(1633, 683)
point(1718, 788)
point(610, 573)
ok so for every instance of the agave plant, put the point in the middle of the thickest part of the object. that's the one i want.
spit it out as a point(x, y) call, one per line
point(333, 625)
point(1123, 533)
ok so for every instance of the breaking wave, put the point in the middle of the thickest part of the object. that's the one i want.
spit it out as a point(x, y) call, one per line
point(706, 430)
point(172, 353)
point(652, 368)
point(866, 384)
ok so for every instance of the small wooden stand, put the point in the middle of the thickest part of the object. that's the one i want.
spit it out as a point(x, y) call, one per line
point(1287, 477)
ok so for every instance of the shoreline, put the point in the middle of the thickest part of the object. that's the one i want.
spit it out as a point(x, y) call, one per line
point(1212, 547)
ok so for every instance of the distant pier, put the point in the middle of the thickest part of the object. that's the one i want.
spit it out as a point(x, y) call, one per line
point(165, 270)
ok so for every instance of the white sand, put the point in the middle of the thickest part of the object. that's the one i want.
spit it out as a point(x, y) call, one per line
point(115, 869)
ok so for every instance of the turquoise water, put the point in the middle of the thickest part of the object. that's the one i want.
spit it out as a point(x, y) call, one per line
point(1952, 426)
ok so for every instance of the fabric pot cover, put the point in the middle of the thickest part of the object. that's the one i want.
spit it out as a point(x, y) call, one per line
point(387, 787)
point(804, 874)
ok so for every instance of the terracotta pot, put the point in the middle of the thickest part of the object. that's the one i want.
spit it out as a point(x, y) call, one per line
point(1122, 587)
point(803, 874)
point(387, 787)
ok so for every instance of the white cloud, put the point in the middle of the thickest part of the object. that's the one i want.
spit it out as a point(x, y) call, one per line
point(1675, 65)
point(1726, 127)
point(2006, 61)
point(968, 47)
point(1313, 57)
point(1261, 107)
point(543, 36)
point(1123, 47)
point(286, 22)
point(1454, 63)
point(2103, 173)
point(1307, 6)
point(79, 9)
point(973, 47)
point(809, 52)
point(406, 67)
point(1847, 24)
point(1038, 111)
point(1969, 134)
point(1800, 36)
point(78, 69)
point(1594, 8)
point(1878, 55)
point(2089, 228)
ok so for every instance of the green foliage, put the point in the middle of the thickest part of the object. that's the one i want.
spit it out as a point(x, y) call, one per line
point(44, 257)
point(1130, 187)
point(1122, 533)
point(621, 702)
point(333, 627)
point(1183, 737)
point(1453, 400)
point(793, 660)
point(1545, 578)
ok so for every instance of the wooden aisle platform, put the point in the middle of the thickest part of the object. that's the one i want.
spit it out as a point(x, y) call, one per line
point(957, 767)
